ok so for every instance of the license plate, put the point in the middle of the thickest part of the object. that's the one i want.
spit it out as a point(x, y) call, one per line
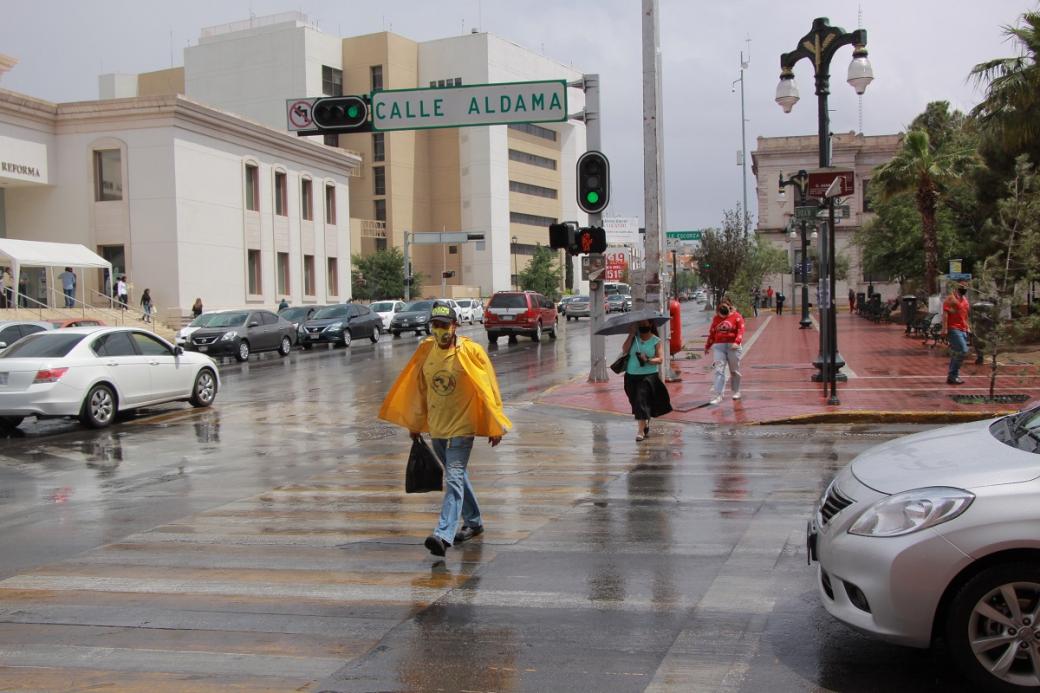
point(509, 317)
point(3, 378)
point(203, 348)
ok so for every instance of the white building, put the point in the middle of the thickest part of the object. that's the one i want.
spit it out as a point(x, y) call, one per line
point(186, 200)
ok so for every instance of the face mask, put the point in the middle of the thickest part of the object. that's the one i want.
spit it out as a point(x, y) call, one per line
point(443, 335)
point(961, 290)
point(644, 329)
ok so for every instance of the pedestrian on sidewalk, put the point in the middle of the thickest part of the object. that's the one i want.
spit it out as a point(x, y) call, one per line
point(756, 296)
point(852, 301)
point(955, 325)
point(284, 304)
point(449, 389)
point(724, 340)
point(780, 298)
point(646, 393)
point(146, 306)
point(122, 295)
point(68, 286)
point(769, 296)
point(196, 308)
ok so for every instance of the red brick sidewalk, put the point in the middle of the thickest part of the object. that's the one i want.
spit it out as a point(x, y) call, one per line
point(891, 377)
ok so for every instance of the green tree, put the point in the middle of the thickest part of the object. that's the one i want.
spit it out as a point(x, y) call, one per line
point(763, 258)
point(381, 275)
point(542, 274)
point(722, 253)
point(916, 168)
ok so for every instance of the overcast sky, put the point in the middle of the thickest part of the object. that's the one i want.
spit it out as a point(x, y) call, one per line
point(921, 50)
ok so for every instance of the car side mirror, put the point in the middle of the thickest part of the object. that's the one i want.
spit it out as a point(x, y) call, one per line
point(3, 345)
point(178, 350)
point(254, 324)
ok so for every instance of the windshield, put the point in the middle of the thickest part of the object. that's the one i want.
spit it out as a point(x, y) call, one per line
point(42, 345)
point(339, 311)
point(227, 319)
point(203, 320)
point(463, 303)
point(382, 306)
point(508, 301)
point(295, 314)
point(1020, 430)
point(417, 306)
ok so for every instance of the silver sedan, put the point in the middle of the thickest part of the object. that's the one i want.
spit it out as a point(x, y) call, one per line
point(937, 535)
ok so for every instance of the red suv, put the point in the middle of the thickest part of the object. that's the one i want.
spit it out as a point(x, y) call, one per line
point(519, 312)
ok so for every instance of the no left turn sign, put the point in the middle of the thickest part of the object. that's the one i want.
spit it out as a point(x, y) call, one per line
point(299, 114)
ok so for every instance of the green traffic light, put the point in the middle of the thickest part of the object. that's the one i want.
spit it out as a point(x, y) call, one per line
point(592, 197)
point(352, 112)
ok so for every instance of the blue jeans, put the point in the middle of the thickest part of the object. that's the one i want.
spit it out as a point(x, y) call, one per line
point(959, 346)
point(458, 492)
point(70, 297)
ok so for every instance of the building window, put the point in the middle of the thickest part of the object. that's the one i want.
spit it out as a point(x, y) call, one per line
point(252, 188)
point(378, 146)
point(281, 190)
point(330, 204)
point(308, 275)
point(307, 199)
point(380, 210)
point(530, 219)
point(333, 276)
point(536, 190)
point(253, 269)
point(865, 187)
point(377, 77)
point(108, 175)
point(536, 130)
point(532, 159)
point(379, 180)
point(331, 81)
point(331, 140)
point(283, 274)
point(453, 250)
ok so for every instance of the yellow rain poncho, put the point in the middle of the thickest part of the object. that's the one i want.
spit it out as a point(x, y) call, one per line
point(405, 404)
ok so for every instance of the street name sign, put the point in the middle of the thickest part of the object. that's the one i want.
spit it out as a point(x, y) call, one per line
point(688, 236)
point(807, 213)
point(465, 106)
point(819, 181)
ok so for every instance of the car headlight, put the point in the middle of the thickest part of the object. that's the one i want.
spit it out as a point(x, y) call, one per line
point(423, 317)
point(334, 327)
point(912, 511)
point(228, 336)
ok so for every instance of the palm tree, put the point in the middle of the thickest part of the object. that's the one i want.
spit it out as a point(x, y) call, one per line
point(1008, 113)
point(917, 169)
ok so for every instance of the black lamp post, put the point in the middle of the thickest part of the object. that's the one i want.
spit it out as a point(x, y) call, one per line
point(819, 46)
point(800, 180)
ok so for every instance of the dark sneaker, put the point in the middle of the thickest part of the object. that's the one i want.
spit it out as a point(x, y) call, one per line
point(436, 545)
point(954, 381)
point(467, 533)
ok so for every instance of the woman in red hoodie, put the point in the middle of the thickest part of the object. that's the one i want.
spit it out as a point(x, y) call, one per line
point(724, 339)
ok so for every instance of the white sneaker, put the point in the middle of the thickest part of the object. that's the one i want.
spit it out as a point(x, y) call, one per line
point(717, 399)
point(736, 395)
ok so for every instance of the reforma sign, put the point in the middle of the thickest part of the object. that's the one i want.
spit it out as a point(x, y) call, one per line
point(819, 181)
point(621, 230)
point(466, 106)
point(22, 161)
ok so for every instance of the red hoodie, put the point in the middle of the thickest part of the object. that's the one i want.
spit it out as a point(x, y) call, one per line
point(726, 330)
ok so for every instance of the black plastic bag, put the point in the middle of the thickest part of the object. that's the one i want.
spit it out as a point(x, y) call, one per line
point(424, 472)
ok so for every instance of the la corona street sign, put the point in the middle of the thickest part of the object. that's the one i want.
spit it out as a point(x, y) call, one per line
point(687, 236)
point(298, 114)
point(465, 106)
point(819, 181)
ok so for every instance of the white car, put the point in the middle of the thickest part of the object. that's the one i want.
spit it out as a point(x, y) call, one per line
point(386, 310)
point(470, 310)
point(93, 373)
point(184, 334)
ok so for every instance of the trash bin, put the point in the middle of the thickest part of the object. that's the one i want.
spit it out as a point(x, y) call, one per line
point(909, 311)
point(861, 301)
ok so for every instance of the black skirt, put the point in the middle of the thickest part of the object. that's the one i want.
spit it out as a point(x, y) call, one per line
point(647, 395)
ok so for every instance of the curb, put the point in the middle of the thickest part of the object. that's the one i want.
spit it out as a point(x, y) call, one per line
point(865, 416)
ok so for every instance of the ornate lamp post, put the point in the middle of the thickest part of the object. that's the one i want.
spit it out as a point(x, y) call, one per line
point(800, 181)
point(819, 46)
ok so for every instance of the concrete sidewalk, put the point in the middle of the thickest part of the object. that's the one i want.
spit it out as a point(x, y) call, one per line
point(891, 378)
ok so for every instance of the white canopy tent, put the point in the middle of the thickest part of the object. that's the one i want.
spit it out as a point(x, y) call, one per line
point(41, 254)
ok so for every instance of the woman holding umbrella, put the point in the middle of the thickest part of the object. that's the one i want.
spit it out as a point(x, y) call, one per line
point(646, 393)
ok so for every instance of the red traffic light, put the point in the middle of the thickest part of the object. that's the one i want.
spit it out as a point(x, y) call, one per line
point(592, 239)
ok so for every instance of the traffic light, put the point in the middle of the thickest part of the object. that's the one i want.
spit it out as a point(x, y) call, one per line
point(593, 182)
point(592, 239)
point(341, 114)
point(561, 235)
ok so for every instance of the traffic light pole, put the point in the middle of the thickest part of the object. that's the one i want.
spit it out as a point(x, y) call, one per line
point(597, 343)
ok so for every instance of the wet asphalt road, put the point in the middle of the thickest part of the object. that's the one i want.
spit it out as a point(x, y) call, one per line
point(266, 544)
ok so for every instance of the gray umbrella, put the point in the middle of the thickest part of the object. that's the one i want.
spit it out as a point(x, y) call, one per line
point(620, 324)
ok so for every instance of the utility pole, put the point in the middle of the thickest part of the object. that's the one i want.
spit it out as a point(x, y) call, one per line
point(653, 127)
point(407, 266)
point(593, 142)
point(743, 136)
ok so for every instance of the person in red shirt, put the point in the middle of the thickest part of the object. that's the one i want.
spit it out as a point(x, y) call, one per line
point(724, 340)
point(769, 296)
point(955, 325)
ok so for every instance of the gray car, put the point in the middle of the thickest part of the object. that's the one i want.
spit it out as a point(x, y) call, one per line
point(937, 535)
point(414, 317)
point(13, 330)
point(578, 307)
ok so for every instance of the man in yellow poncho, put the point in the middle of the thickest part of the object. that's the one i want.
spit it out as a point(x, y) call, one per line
point(449, 389)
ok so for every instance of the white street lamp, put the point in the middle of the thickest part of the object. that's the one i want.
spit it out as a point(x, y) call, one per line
point(861, 74)
point(787, 91)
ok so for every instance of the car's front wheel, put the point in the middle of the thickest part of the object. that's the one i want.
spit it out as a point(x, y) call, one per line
point(991, 627)
point(375, 335)
point(285, 348)
point(205, 389)
point(347, 339)
point(99, 407)
point(243, 351)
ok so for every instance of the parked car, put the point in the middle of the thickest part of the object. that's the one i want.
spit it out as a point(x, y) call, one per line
point(13, 330)
point(579, 307)
point(414, 317)
point(76, 322)
point(240, 333)
point(386, 310)
point(561, 307)
point(936, 535)
point(298, 315)
point(184, 334)
point(472, 309)
point(341, 323)
point(617, 303)
point(94, 373)
point(519, 312)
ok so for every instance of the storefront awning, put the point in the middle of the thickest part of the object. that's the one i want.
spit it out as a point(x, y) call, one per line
point(40, 254)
